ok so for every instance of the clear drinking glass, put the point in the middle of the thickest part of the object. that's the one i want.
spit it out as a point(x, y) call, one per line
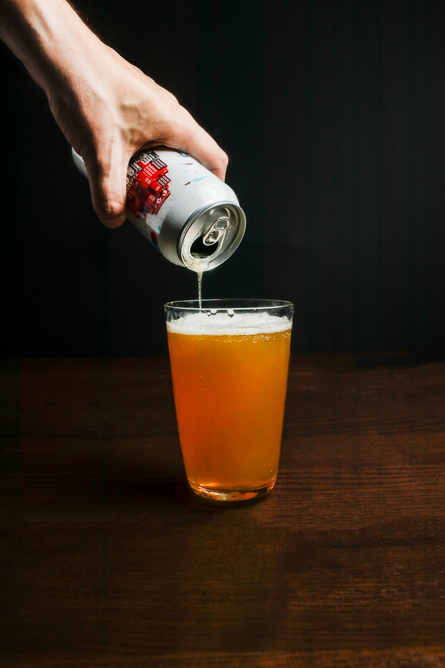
point(229, 361)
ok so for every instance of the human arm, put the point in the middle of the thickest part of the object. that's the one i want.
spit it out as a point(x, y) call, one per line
point(107, 108)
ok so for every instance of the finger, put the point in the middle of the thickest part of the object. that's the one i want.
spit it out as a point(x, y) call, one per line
point(196, 142)
point(107, 177)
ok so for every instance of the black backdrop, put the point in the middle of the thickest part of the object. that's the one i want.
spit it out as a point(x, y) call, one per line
point(333, 116)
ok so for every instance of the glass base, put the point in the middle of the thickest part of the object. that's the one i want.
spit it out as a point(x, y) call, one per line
point(232, 495)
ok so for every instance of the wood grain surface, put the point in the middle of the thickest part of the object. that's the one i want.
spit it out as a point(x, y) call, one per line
point(107, 558)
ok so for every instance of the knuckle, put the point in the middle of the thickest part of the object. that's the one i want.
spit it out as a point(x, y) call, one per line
point(172, 98)
point(110, 212)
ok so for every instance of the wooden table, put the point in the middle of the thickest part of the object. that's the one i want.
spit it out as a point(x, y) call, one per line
point(109, 560)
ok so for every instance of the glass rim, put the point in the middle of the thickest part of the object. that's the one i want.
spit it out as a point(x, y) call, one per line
point(227, 303)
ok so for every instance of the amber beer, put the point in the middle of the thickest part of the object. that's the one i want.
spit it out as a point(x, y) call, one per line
point(229, 367)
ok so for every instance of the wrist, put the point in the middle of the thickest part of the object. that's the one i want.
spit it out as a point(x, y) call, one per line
point(49, 38)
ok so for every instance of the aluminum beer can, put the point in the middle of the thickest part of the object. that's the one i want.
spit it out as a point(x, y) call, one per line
point(190, 215)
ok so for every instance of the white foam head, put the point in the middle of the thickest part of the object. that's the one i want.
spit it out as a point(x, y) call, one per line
point(223, 323)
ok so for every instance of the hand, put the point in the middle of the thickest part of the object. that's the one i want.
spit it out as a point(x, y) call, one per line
point(107, 108)
point(108, 119)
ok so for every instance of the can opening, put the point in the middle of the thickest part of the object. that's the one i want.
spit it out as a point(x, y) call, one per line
point(211, 235)
point(200, 250)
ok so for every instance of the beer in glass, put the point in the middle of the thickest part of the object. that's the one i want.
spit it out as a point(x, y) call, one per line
point(229, 363)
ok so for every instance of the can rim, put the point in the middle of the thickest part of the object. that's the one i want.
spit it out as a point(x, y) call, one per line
point(219, 258)
point(235, 304)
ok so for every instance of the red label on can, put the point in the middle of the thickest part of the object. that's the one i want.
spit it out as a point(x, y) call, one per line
point(147, 183)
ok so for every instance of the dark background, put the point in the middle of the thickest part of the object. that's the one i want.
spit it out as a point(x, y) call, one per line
point(333, 116)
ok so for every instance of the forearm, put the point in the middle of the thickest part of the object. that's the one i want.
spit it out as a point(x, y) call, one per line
point(107, 108)
point(49, 38)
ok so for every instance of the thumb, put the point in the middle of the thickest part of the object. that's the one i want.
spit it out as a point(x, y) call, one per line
point(107, 177)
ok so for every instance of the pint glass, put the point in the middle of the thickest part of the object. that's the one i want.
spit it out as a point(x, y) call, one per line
point(229, 363)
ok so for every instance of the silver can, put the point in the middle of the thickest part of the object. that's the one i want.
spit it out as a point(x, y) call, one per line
point(190, 215)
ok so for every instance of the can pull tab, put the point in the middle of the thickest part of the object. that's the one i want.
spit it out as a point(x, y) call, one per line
point(217, 232)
